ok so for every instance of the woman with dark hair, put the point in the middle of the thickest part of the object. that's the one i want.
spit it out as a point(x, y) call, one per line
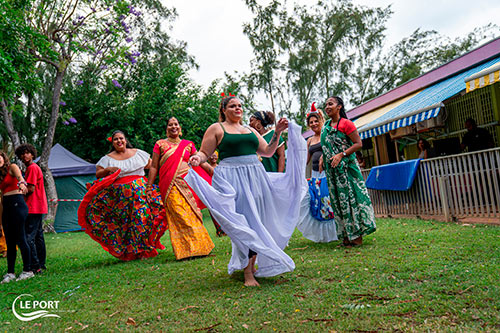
point(115, 211)
point(360, 159)
point(316, 221)
point(261, 122)
point(256, 209)
point(188, 235)
point(14, 214)
point(351, 204)
point(424, 148)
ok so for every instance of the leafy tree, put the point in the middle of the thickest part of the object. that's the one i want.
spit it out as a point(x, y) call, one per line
point(337, 48)
point(261, 34)
point(100, 32)
point(17, 64)
point(148, 95)
point(326, 43)
point(414, 56)
point(299, 53)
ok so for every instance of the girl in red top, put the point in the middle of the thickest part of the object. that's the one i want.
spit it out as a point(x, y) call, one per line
point(14, 215)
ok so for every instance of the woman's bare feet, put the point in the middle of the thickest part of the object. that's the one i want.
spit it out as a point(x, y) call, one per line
point(250, 280)
point(249, 273)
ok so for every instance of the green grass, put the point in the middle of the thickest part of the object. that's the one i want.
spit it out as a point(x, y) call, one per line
point(409, 275)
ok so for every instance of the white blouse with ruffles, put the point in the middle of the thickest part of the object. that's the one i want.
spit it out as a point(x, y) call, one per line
point(132, 166)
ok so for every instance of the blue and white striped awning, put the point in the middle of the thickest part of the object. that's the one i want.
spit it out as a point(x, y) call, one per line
point(407, 120)
point(425, 105)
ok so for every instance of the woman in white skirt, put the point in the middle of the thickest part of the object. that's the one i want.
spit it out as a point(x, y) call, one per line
point(317, 222)
point(257, 210)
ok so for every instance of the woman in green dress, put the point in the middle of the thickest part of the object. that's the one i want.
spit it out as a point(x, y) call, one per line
point(351, 204)
point(261, 121)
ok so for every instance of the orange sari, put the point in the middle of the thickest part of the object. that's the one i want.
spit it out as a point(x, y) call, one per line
point(188, 236)
point(3, 244)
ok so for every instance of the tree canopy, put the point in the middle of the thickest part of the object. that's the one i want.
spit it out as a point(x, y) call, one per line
point(151, 93)
point(60, 50)
point(308, 53)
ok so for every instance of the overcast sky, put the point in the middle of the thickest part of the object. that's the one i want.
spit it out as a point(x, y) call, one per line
point(213, 28)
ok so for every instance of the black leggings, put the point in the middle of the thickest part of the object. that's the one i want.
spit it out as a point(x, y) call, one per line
point(14, 216)
point(36, 241)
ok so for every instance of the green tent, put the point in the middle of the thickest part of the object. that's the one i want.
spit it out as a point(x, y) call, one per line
point(71, 173)
point(70, 191)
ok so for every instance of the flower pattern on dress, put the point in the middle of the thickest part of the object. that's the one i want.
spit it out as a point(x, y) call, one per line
point(320, 207)
point(124, 222)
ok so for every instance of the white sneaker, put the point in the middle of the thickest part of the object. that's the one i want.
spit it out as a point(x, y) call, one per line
point(25, 275)
point(8, 277)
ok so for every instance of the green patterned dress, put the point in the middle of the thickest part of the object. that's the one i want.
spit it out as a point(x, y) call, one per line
point(349, 197)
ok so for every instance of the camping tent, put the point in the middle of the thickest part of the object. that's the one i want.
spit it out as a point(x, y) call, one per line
point(71, 173)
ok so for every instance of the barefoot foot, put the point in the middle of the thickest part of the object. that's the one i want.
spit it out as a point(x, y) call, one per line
point(250, 280)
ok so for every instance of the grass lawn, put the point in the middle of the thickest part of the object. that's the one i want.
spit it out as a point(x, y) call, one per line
point(409, 275)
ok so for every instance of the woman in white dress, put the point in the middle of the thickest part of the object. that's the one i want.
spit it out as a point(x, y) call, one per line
point(257, 210)
point(317, 222)
point(115, 212)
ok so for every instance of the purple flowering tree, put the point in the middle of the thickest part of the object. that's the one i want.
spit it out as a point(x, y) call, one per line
point(79, 33)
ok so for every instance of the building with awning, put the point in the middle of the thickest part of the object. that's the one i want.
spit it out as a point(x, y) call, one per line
point(483, 78)
point(433, 106)
point(379, 112)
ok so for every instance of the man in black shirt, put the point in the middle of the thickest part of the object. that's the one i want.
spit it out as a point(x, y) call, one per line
point(476, 138)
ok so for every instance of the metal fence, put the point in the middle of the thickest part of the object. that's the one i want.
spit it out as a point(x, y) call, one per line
point(450, 187)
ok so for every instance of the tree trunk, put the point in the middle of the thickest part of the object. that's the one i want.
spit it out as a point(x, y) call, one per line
point(327, 83)
point(271, 96)
point(50, 189)
point(9, 124)
point(47, 145)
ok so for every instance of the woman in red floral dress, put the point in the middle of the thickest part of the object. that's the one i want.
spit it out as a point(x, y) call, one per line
point(115, 212)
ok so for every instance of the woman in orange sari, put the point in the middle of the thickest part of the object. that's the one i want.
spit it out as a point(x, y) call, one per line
point(3, 244)
point(182, 207)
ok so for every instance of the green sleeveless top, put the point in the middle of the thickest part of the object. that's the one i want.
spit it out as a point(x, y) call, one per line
point(237, 144)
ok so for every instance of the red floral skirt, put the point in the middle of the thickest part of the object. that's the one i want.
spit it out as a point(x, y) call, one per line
point(116, 214)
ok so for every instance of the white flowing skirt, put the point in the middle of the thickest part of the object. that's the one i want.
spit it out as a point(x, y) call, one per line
point(311, 228)
point(257, 210)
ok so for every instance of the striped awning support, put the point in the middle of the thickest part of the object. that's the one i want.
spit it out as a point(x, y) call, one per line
point(403, 122)
point(483, 78)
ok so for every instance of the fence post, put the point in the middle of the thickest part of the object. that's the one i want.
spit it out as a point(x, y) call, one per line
point(443, 191)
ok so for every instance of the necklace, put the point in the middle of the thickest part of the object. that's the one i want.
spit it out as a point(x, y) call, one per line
point(176, 140)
